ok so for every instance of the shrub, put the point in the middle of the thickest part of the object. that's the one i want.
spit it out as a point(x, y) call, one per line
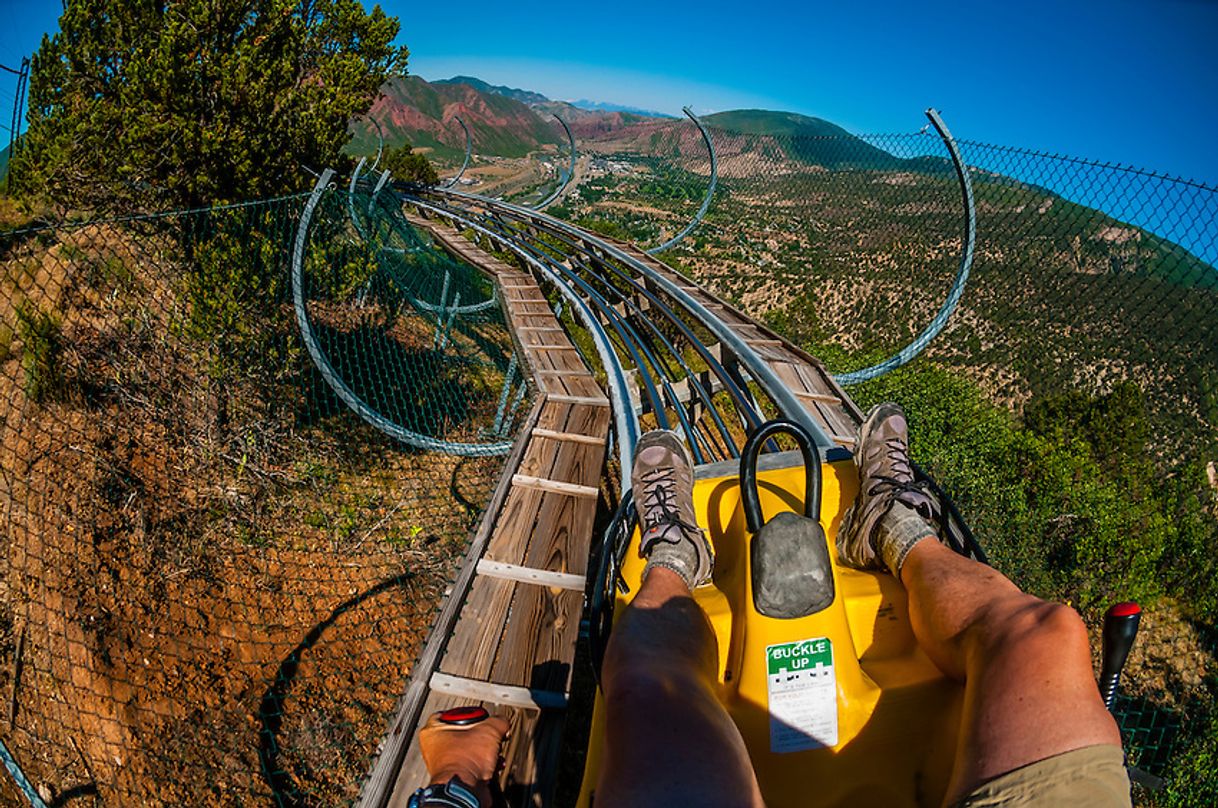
point(42, 349)
point(407, 165)
point(1192, 777)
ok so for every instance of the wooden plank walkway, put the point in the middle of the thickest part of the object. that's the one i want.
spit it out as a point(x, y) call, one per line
point(506, 635)
point(803, 373)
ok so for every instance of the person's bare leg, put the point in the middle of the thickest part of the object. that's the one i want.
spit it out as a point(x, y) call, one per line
point(1029, 691)
point(669, 740)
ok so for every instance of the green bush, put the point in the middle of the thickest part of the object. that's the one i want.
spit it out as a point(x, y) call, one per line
point(1192, 778)
point(1069, 503)
point(407, 165)
point(42, 350)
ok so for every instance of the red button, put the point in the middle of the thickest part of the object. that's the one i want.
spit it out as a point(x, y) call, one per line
point(462, 716)
point(1127, 609)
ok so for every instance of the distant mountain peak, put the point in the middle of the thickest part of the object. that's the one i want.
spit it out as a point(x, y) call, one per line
point(602, 106)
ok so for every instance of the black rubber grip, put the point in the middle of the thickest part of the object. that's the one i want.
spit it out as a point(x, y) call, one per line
point(749, 497)
point(1120, 629)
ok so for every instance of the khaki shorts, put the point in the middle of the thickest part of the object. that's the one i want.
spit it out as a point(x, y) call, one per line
point(1091, 777)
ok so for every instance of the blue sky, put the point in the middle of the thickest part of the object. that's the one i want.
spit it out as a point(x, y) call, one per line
point(1120, 81)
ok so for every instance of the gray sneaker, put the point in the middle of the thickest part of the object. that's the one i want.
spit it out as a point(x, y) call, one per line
point(891, 512)
point(663, 482)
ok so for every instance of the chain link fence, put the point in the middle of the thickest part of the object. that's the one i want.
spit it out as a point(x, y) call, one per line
point(1070, 405)
point(228, 524)
point(218, 574)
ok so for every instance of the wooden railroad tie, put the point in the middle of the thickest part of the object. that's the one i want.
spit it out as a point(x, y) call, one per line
point(822, 397)
point(531, 575)
point(555, 486)
point(572, 437)
point(562, 398)
point(526, 698)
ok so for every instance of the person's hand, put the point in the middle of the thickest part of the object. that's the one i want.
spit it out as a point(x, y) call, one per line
point(469, 752)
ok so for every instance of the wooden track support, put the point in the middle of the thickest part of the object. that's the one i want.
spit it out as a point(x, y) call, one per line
point(506, 635)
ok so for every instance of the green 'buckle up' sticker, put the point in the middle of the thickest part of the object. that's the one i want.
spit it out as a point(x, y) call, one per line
point(802, 692)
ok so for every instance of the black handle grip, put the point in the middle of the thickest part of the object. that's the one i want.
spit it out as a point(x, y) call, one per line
point(748, 471)
point(1120, 629)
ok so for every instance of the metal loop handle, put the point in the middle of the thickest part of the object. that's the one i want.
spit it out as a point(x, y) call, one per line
point(748, 471)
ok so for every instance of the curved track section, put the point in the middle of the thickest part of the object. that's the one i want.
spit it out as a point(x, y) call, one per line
point(469, 147)
point(335, 381)
point(710, 189)
point(627, 425)
point(936, 325)
point(380, 143)
point(444, 308)
point(599, 251)
point(562, 186)
point(670, 392)
point(355, 222)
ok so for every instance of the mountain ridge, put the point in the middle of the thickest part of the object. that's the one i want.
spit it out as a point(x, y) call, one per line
point(411, 109)
point(523, 96)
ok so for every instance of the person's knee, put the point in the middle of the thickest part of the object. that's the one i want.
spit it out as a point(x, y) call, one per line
point(627, 683)
point(1031, 625)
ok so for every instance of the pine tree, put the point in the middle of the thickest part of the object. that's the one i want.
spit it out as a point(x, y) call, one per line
point(197, 102)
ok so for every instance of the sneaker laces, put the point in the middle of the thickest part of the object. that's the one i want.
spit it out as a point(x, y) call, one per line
point(660, 510)
point(902, 478)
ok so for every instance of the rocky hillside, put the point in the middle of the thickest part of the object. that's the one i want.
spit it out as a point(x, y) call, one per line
point(423, 114)
point(503, 122)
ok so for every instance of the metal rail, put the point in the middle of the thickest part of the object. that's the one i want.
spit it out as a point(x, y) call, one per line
point(380, 143)
point(562, 186)
point(936, 325)
point(469, 145)
point(572, 255)
point(634, 343)
point(331, 377)
point(710, 190)
point(442, 309)
point(625, 423)
point(757, 368)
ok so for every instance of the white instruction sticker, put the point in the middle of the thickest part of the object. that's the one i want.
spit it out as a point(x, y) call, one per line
point(803, 695)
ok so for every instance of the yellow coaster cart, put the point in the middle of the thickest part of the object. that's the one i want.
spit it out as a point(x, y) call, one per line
point(818, 665)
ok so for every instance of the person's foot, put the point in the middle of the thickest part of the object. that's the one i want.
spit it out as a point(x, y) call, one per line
point(892, 513)
point(663, 482)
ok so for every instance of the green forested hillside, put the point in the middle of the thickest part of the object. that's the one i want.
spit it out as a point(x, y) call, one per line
point(1070, 406)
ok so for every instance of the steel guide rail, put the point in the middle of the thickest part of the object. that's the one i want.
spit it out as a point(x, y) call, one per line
point(627, 337)
point(742, 401)
point(746, 410)
point(758, 369)
point(666, 376)
point(626, 424)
